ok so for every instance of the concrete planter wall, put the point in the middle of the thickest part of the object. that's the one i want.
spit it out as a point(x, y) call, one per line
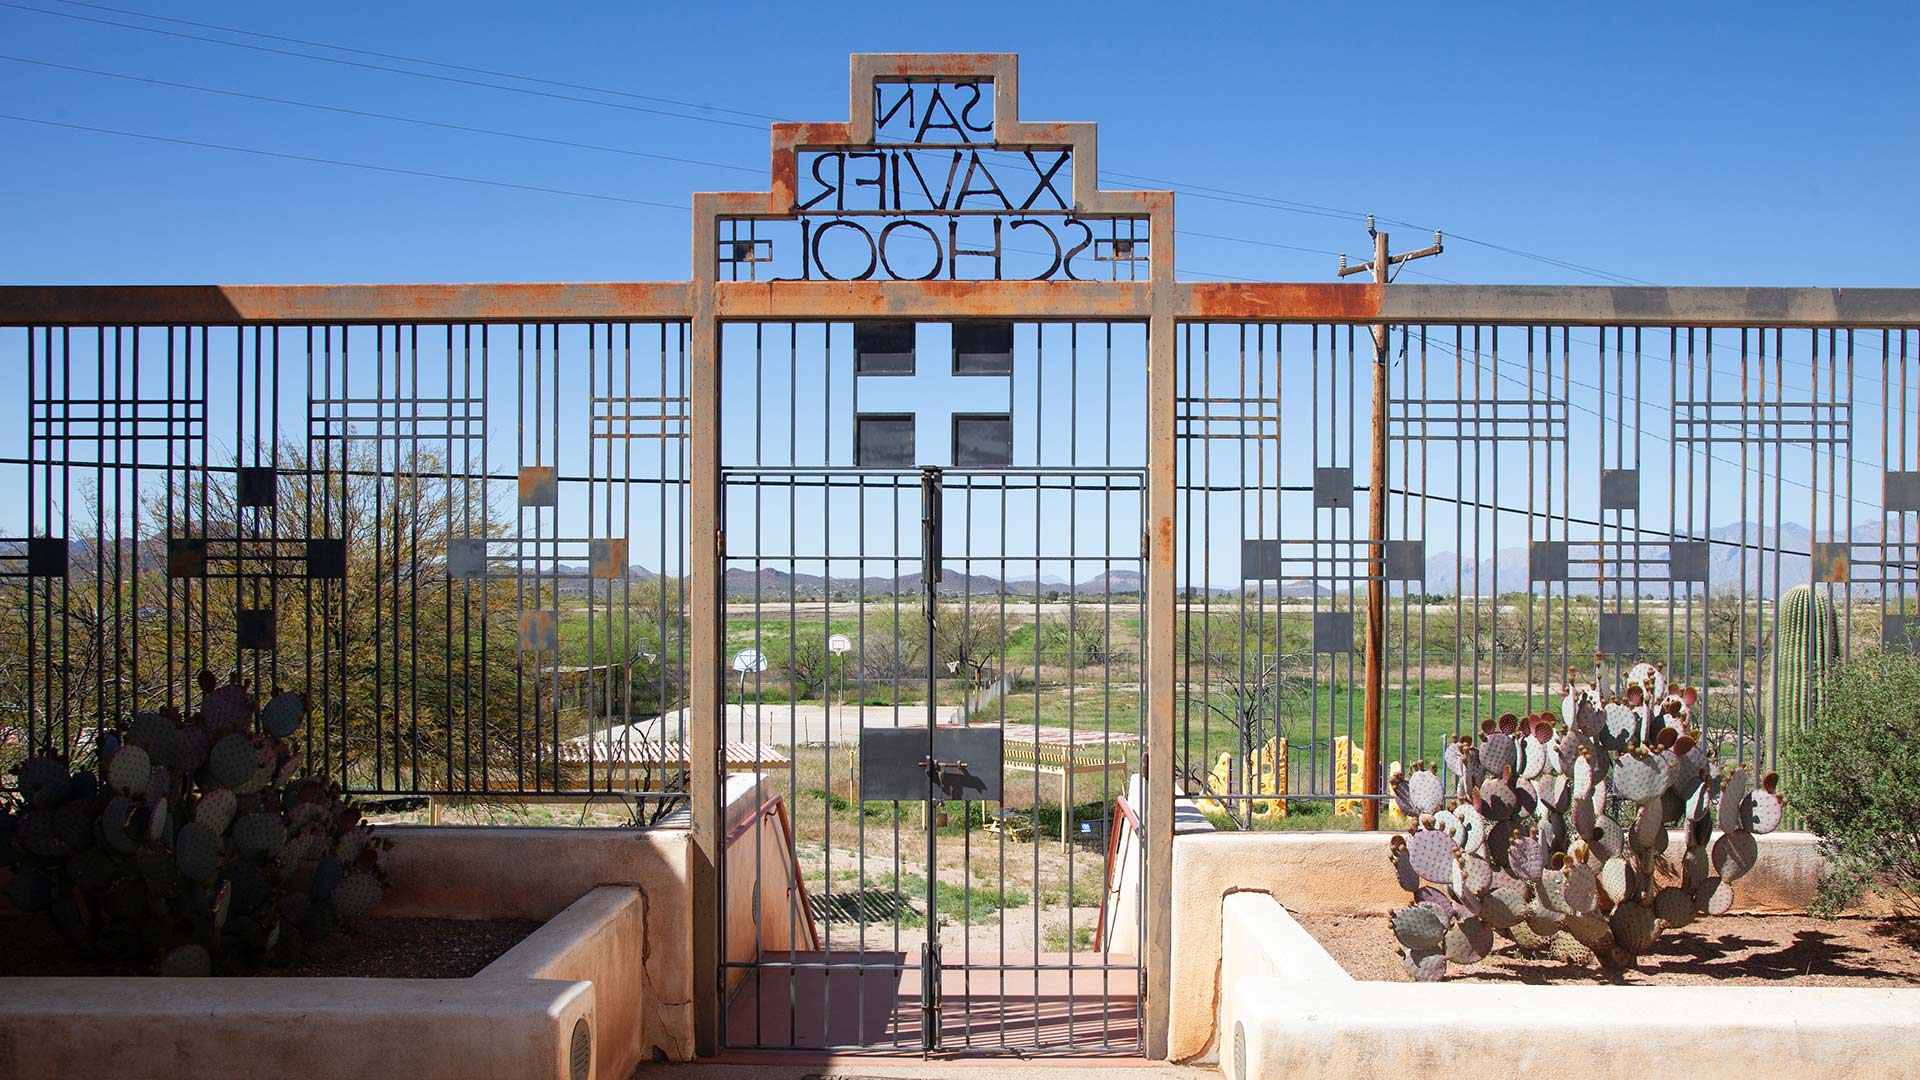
point(1348, 874)
point(605, 984)
point(1287, 1010)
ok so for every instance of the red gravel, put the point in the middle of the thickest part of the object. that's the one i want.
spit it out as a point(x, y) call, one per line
point(1749, 950)
point(382, 948)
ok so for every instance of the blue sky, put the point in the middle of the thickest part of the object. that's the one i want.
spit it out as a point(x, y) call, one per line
point(1672, 144)
point(1677, 144)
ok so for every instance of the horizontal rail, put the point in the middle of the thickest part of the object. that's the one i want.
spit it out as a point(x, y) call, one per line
point(1541, 305)
point(247, 305)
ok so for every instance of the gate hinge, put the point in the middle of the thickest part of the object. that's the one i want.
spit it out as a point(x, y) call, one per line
point(720, 542)
point(1146, 543)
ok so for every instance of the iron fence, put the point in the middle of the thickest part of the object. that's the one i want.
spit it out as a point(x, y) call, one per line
point(1562, 501)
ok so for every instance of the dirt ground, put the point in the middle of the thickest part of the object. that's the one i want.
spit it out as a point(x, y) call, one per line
point(1734, 950)
point(382, 948)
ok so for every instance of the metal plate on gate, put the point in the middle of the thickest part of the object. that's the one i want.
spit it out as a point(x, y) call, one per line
point(893, 763)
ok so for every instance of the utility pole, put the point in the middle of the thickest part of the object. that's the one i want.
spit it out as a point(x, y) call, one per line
point(1381, 264)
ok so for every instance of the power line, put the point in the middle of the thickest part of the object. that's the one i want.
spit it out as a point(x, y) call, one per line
point(418, 60)
point(338, 162)
point(383, 67)
point(377, 115)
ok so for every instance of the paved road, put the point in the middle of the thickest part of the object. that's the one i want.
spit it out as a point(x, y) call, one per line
point(788, 725)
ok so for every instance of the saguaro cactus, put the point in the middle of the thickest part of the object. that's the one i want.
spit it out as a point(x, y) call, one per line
point(1806, 643)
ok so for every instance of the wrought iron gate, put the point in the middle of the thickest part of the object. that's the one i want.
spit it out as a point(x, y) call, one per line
point(985, 581)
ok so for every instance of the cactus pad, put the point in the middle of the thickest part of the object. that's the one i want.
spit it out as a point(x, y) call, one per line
point(196, 848)
point(1581, 889)
point(1403, 870)
point(1620, 728)
point(358, 893)
point(1733, 793)
point(259, 835)
point(1526, 857)
point(1674, 906)
point(130, 771)
point(1640, 776)
point(1497, 753)
point(232, 760)
point(227, 708)
point(187, 962)
point(1468, 941)
point(1497, 800)
point(1734, 854)
point(1427, 966)
point(216, 808)
point(1431, 853)
point(1764, 810)
point(281, 715)
point(1713, 897)
point(1425, 789)
point(44, 780)
point(1634, 927)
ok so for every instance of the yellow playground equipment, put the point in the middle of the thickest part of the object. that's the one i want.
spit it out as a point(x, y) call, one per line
point(1266, 778)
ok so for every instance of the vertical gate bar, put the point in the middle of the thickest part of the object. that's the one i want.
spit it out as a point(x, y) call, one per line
point(706, 670)
point(1157, 876)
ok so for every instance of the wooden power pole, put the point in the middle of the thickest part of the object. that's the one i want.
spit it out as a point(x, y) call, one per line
point(1376, 705)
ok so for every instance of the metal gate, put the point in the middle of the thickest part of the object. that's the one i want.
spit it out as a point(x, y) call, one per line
point(933, 573)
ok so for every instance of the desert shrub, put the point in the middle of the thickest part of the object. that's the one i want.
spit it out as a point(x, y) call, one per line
point(195, 845)
point(1513, 834)
point(1856, 769)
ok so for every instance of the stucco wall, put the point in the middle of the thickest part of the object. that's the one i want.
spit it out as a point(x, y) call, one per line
point(1348, 874)
point(490, 871)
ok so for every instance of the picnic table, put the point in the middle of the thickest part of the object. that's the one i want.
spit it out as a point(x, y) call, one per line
point(637, 760)
point(1066, 753)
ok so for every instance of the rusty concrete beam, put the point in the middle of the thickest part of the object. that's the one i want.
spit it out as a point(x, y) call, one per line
point(230, 305)
point(1652, 306)
point(933, 300)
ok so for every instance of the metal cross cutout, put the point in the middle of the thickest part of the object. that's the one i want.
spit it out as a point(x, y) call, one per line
point(980, 440)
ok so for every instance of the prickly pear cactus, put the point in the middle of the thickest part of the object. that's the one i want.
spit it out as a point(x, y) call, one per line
point(195, 845)
point(1552, 831)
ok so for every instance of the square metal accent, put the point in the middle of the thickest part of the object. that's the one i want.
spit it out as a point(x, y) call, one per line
point(1260, 560)
point(1619, 489)
point(47, 556)
point(538, 632)
point(883, 348)
point(982, 440)
point(1831, 561)
point(1333, 486)
point(1619, 633)
point(326, 558)
point(1900, 491)
point(1687, 560)
point(466, 558)
point(983, 348)
point(186, 558)
point(1893, 632)
point(883, 440)
point(257, 485)
point(893, 763)
point(1406, 560)
point(256, 628)
point(607, 559)
point(539, 485)
point(1333, 631)
point(1547, 560)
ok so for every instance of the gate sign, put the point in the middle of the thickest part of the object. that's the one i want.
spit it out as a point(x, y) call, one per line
point(935, 177)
